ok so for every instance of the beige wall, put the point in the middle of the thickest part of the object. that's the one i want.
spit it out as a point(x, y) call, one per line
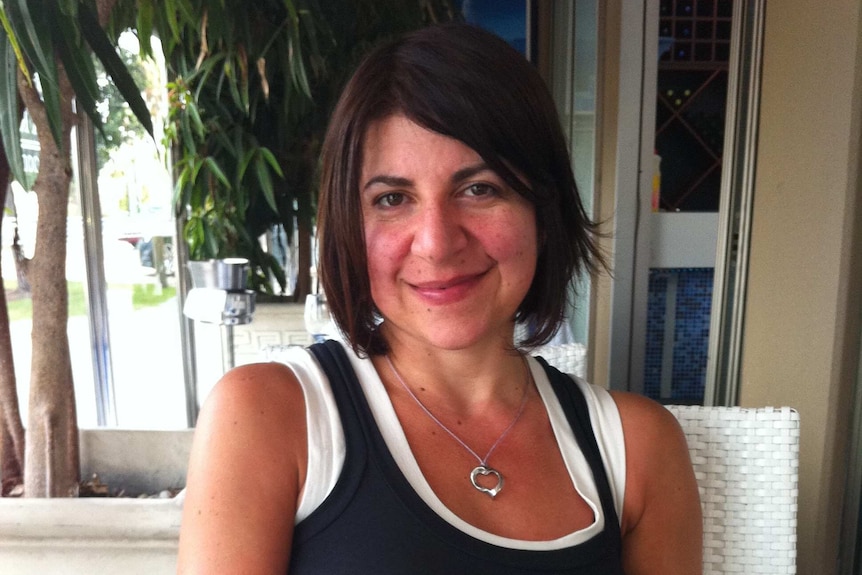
point(802, 315)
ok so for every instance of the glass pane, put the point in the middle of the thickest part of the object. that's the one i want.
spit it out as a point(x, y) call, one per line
point(689, 139)
point(573, 83)
point(138, 260)
point(135, 194)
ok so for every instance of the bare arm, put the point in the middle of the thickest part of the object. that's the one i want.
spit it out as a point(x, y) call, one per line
point(246, 472)
point(662, 525)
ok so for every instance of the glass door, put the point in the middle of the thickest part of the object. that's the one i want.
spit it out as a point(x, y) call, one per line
point(691, 103)
point(684, 195)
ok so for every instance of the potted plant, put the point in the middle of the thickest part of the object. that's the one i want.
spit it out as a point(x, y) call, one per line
point(46, 65)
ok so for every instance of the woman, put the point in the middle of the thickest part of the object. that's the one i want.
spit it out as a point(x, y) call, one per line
point(427, 442)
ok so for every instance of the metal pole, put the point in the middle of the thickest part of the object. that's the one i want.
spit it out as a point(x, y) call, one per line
point(228, 358)
point(94, 259)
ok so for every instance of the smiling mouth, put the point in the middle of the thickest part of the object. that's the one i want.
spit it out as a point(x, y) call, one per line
point(447, 284)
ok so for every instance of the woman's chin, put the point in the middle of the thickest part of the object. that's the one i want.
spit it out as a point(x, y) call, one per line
point(450, 337)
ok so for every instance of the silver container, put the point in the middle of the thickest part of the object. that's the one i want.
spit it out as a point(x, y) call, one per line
point(232, 274)
point(229, 274)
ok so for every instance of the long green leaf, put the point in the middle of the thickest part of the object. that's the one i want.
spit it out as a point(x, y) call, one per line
point(146, 12)
point(51, 98)
point(233, 74)
point(179, 199)
point(33, 30)
point(186, 137)
point(79, 66)
point(171, 13)
point(9, 116)
point(216, 170)
point(104, 51)
point(195, 165)
point(13, 41)
point(202, 75)
point(211, 242)
point(36, 41)
point(265, 179)
point(272, 161)
point(246, 159)
point(194, 116)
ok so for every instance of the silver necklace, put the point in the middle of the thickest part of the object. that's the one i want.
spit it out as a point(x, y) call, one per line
point(483, 468)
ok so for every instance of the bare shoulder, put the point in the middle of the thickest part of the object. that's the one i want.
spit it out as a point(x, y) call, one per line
point(255, 415)
point(647, 420)
point(258, 386)
point(246, 471)
point(661, 512)
point(655, 444)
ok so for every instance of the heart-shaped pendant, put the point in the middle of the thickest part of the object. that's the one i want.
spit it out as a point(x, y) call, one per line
point(482, 470)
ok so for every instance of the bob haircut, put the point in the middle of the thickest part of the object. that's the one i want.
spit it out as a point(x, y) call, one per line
point(465, 83)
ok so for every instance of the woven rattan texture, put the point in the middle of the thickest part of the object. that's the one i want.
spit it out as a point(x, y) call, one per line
point(747, 467)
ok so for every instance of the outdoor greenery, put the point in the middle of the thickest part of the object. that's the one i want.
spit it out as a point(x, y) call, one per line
point(119, 124)
point(143, 296)
point(147, 295)
point(253, 87)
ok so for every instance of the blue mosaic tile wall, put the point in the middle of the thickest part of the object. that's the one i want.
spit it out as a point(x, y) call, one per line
point(691, 337)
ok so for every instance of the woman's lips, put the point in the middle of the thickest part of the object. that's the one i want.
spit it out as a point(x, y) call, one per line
point(446, 291)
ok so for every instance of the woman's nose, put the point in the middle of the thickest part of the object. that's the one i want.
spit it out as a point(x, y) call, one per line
point(439, 233)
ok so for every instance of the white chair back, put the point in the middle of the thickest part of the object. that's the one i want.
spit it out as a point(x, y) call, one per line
point(746, 462)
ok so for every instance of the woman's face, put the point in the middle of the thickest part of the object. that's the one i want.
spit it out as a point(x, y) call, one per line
point(451, 248)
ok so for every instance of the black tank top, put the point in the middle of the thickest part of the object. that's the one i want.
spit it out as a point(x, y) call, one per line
point(374, 523)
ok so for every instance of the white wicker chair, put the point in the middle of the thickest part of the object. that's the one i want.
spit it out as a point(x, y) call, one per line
point(747, 467)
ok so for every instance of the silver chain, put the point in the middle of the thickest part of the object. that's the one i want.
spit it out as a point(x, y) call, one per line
point(482, 461)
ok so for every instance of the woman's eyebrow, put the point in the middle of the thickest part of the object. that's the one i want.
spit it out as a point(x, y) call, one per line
point(402, 182)
point(394, 181)
point(469, 172)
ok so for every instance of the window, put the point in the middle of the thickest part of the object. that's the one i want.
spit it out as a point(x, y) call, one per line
point(124, 320)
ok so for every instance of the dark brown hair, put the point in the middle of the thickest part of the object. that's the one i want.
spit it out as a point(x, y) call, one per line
point(470, 85)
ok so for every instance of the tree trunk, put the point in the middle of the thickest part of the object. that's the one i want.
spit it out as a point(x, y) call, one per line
point(52, 466)
point(303, 182)
point(11, 426)
point(303, 250)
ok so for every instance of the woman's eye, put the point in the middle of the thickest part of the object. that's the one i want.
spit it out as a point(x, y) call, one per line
point(478, 190)
point(390, 200)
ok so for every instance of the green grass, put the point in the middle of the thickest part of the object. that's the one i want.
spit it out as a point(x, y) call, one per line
point(143, 296)
point(21, 307)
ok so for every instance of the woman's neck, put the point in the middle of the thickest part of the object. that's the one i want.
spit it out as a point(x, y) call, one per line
point(467, 379)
